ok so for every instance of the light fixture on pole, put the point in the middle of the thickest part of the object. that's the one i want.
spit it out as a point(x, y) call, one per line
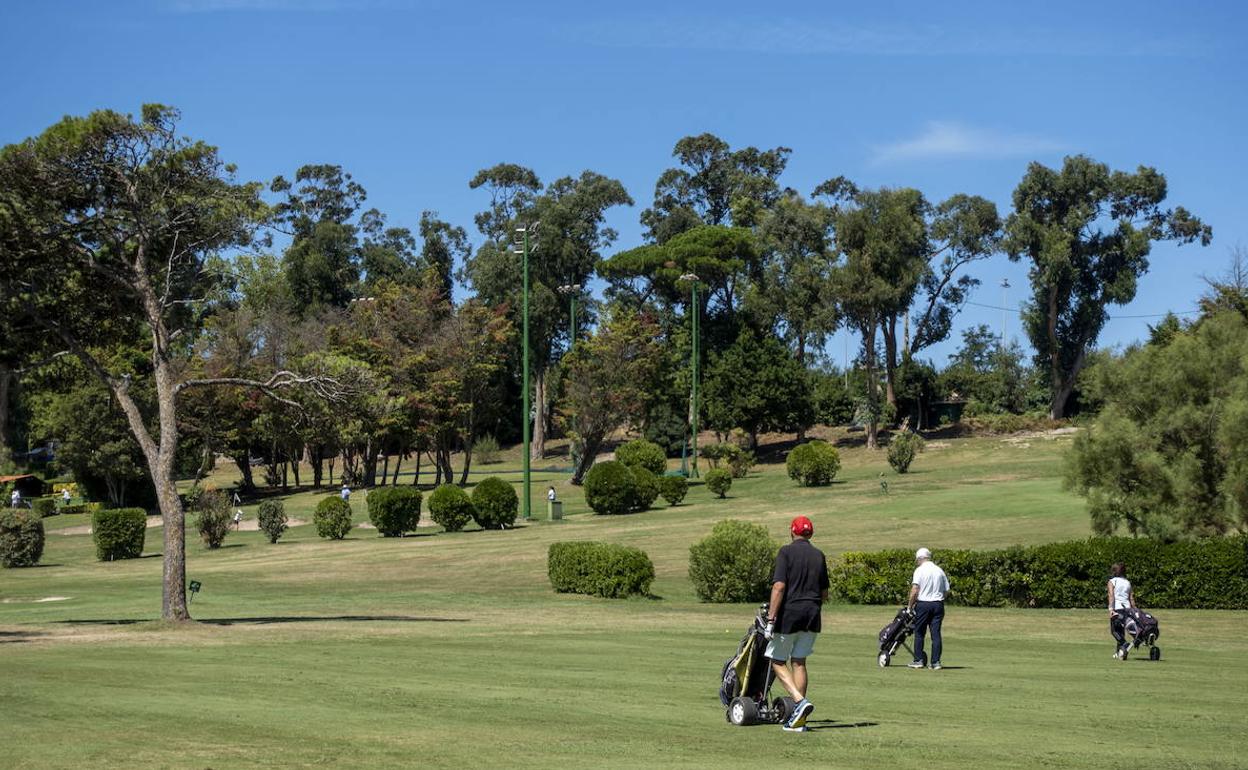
point(1005, 284)
point(522, 247)
point(571, 290)
point(694, 309)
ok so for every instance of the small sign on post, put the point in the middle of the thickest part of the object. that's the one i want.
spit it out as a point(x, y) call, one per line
point(195, 586)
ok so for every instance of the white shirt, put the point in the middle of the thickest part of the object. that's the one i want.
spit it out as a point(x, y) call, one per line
point(15, 498)
point(1122, 593)
point(346, 493)
point(550, 495)
point(932, 583)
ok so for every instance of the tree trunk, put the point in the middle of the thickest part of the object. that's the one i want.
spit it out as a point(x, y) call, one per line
point(244, 469)
point(890, 360)
point(873, 387)
point(539, 416)
point(463, 478)
point(385, 468)
point(332, 459)
point(416, 475)
point(1057, 407)
point(316, 458)
point(294, 467)
point(398, 461)
point(589, 451)
point(6, 377)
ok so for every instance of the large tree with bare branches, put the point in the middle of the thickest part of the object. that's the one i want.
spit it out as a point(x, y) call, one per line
point(108, 229)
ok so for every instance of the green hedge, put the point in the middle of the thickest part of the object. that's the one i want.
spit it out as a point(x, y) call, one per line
point(673, 489)
point(21, 538)
point(119, 533)
point(495, 503)
point(734, 563)
point(611, 489)
point(79, 508)
point(718, 481)
point(394, 510)
point(1203, 574)
point(640, 453)
point(44, 506)
point(813, 464)
point(272, 519)
point(599, 569)
point(450, 507)
point(332, 518)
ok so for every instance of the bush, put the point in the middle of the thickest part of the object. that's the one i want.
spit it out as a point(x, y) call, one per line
point(646, 486)
point(813, 464)
point(44, 506)
point(21, 538)
point(494, 503)
point(77, 508)
point(394, 510)
point(903, 448)
point(1203, 574)
point(486, 451)
point(718, 481)
point(272, 516)
point(119, 533)
point(332, 518)
point(640, 453)
point(450, 507)
point(213, 517)
point(611, 489)
point(737, 460)
point(733, 563)
point(673, 489)
point(599, 569)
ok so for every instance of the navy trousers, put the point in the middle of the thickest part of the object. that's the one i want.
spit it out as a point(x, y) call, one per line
point(928, 615)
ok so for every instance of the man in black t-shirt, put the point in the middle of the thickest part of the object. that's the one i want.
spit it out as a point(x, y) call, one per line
point(798, 590)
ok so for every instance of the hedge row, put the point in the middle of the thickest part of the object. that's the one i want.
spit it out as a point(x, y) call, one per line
point(1204, 574)
point(21, 538)
point(599, 569)
point(119, 533)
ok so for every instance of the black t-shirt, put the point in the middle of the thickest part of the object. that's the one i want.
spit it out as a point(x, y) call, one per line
point(804, 572)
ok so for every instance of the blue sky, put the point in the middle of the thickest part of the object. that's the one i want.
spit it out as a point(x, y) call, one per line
point(414, 97)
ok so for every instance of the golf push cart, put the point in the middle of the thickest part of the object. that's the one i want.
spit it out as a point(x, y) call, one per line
point(895, 635)
point(747, 678)
point(1143, 629)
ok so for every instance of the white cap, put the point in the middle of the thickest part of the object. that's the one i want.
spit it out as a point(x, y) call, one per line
point(922, 553)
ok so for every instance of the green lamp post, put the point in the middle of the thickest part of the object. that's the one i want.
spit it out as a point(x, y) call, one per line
point(694, 310)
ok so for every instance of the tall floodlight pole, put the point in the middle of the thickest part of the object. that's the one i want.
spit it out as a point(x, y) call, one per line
point(527, 407)
point(1005, 284)
point(571, 290)
point(692, 279)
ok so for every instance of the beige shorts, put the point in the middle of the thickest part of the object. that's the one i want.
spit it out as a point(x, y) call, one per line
point(798, 644)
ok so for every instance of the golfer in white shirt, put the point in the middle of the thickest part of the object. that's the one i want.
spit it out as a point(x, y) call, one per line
point(928, 589)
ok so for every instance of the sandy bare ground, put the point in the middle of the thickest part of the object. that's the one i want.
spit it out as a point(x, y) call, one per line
point(253, 525)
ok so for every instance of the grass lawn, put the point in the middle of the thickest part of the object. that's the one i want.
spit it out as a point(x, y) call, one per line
point(450, 650)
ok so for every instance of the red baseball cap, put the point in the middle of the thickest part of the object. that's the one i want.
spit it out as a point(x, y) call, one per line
point(802, 527)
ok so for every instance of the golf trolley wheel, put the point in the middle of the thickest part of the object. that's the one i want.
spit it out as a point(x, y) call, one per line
point(742, 711)
point(1154, 653)
point(783, 708)
point(884, 659)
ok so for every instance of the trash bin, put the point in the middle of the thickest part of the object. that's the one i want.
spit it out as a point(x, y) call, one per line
point(554, 510)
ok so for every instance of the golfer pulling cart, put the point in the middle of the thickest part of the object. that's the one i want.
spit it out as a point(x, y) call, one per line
point(745, 688)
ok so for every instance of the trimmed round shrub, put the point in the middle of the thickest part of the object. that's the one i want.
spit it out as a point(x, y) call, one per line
point(119, 533)
point(450, 507)
point(673, 489)
point(394, 510)
point(599, 569)
point(44, 506)
point(494, 503)
point(640, 453)
point(272, 516)
point(902, 449)
point(813, 464)
point(611, 488)
point(212, 517)
point(733, 563)
point(646, 486)
point(21, 538)
point(718, 481)
point(332, 518)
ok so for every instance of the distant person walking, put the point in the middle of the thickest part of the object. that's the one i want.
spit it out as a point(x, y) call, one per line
point(65, 496)
point(346, 493)
point(798, 590)
point(238, 518)
point(1121, 598)
point(15, 499)
point(550, 494)
point(928, 588)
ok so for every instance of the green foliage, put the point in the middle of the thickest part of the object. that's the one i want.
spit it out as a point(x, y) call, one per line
point(119, 533)
point(673, 489)
point(1205, 574)
point(903, 448)
point(77, 508)
point(21, 538)
point(599, 569)
point(1087, 232)
point(272, 519)
point(813, 464)
point(643, 454)
point(756, 384)
point(450, 507)
point(1168, 456)
point(212, 518)
point(394, 510)
point(733, 563)
point(494, 503)
point(332, 518)
point(44, 506)
point(611, 488)
point(485, 450)
point(737, 460)
point(833, 400)
point(719, 481)
point(646, 488)
point(996, 379)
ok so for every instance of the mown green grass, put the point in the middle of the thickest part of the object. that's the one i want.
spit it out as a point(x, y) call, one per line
point(450, 650)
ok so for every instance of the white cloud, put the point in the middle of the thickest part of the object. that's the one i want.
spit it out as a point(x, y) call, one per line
point(944, 139)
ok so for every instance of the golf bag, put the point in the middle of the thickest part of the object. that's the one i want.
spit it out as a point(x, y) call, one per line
point(1143, 630)
point(746, 679)
point(895, 635)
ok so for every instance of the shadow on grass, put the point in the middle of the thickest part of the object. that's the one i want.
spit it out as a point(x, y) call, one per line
point(832, 724)
point(274, 619)
point(17, 637)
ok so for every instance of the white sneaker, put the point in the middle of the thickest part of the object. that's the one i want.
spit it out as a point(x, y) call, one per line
point(916, 664)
